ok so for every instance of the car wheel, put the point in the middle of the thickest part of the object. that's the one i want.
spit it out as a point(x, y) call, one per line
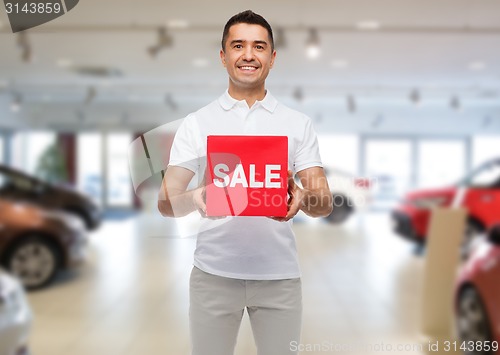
point(34, 260)
point(342, 209)
point(472, 320)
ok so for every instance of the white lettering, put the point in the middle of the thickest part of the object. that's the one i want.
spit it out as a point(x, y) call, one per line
point(220, 171)
point(254, 183)
point(272, 174)
point(239, 177)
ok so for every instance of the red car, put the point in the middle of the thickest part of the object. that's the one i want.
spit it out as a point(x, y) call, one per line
point(477, 297)
point(479, 192)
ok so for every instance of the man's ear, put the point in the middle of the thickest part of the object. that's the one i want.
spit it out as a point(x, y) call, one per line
point(273, 57)
point(223, 57)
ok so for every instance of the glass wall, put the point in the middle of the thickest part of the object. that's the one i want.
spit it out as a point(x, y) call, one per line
point(441, 162)
point(90, 174)
point(340, 151)
point(119, 186)
point(485, 148)
point(2, 151)
point(388, 162)
point(27, 149)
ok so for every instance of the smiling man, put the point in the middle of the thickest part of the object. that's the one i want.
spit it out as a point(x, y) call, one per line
point(245, 262)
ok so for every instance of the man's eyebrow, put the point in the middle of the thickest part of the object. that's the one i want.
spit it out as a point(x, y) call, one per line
point(236, 41)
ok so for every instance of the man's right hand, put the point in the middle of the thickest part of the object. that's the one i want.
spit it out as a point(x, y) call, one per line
point(199, 201)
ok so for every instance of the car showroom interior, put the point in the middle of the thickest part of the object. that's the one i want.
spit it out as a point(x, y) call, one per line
point(404, 97)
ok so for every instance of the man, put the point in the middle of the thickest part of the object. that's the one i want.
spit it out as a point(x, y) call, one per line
point(245, 262)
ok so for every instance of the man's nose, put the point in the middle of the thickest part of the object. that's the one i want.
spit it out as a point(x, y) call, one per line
point(248, 53)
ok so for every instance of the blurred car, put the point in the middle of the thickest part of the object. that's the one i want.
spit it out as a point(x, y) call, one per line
point(15, 317)
point(477, 296)
point(19, 186)
point(36, 243)
point(350, 194)
point(478, 192)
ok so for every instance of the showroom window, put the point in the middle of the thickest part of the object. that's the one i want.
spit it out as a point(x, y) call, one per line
point(340, 151)
point(90, 175)
point(485, 148)
point(441, 162)
point(2, 151)
point(28, 148)
point(103, 169)
point(119, 186)
point(388, 162)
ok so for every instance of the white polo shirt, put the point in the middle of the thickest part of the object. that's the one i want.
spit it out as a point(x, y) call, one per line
point(250, 248)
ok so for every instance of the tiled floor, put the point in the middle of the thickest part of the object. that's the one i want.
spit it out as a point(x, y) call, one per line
point(360, 284)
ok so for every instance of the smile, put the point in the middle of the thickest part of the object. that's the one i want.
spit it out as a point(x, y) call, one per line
point(248, 68)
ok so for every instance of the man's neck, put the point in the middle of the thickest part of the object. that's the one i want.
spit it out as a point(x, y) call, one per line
point(249, 95)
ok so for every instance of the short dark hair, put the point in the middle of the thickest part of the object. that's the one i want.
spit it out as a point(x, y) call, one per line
point(250, 18)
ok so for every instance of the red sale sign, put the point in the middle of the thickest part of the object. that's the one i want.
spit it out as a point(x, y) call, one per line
point(247, 175)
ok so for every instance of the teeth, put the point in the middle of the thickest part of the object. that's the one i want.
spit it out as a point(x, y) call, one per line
point(248, 68)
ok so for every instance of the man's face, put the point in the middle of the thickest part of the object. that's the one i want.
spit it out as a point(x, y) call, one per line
point(248, 56)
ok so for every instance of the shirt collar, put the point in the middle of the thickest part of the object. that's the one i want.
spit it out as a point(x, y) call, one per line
point(269, 102)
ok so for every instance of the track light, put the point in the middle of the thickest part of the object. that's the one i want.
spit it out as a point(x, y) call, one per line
point(15, 105)
point(312, 45)
point(298, 94)
point(351, 104)
point(377, 121)
point(25, 46)
point(487, 121)
point(91, 94)
point(415, 97)
point(280, 39)
point(170, 102)
point(455, 104)
point(165, 40)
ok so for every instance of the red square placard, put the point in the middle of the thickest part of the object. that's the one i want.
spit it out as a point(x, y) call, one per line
point(247, 175)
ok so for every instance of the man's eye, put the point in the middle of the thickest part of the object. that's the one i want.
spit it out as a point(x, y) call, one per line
point(259, 47)
point(238, 46)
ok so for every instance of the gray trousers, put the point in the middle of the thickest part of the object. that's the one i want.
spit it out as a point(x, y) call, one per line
point(216, 309)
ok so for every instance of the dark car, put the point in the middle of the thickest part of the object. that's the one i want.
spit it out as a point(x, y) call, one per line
point(18, 186)
point(477, 297)
point(35, 243)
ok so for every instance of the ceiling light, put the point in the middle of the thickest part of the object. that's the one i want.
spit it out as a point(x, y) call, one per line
point(415, 97)
point(97, 71)
point(165, 40)
point(351, 104)
point(340, 63)
point(3, 84)
point(200, 62)
point(15, 105)
point(177, 24)
point(368, 25)
point(279, 38)
point(64, 62)
point(312, 45)
point(477, 66)
point(455, 104)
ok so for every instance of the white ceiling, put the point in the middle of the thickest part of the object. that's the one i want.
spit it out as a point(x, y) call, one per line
point(423, 44)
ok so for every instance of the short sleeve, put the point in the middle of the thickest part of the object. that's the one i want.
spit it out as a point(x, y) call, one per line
point(184, 152)
point(307, 153)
